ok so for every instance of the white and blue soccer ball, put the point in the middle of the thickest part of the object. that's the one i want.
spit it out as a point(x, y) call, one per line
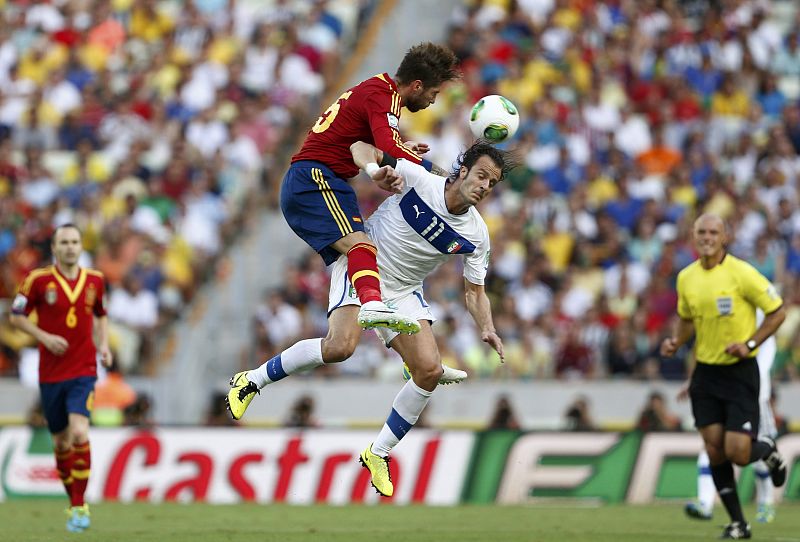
point(494, 118)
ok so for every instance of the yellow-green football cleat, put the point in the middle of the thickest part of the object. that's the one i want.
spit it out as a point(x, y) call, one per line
point(374, 314)
point(240, 395)
point(378, 467)
point(449, 375)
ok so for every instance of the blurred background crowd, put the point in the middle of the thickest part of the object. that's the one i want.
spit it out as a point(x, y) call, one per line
point(159, 127)
point(156, 127)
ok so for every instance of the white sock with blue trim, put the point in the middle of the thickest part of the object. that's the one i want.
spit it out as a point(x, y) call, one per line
point(765, 491)
point(407, 406)
point(299, 357)
point(706, 490)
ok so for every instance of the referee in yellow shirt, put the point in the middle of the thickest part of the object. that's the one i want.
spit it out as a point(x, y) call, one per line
point(717, 299)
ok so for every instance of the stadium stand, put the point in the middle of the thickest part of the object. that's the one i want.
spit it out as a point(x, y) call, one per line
point(154, 126)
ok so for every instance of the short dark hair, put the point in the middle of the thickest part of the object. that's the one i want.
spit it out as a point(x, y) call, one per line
point(505, 160)
point(64, 226)
point(430, 63)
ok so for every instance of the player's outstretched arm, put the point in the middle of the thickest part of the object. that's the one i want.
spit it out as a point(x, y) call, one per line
point(54, 343)
point(480, 309)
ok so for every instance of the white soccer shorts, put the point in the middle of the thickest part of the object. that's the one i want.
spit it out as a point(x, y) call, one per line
point(343, 293)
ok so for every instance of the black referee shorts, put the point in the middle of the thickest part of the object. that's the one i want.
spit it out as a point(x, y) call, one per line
point(726, 394)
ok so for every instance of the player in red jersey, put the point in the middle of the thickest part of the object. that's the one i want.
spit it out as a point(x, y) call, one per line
point(67, 298)
point(316, 199)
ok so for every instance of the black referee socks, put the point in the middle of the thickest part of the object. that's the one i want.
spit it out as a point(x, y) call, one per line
point(726, 487)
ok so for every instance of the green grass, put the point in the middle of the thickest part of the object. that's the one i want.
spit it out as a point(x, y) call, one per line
point(40, 520)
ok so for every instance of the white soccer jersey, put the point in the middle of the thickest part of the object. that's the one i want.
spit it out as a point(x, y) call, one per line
point(415, 233)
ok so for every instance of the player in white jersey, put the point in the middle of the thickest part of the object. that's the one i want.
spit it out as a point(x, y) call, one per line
point(703, 507)
point(429, 220)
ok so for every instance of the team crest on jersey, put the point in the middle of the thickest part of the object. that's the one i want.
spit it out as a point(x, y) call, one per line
point(453, 247)
point(394, 122)
point(51, 294)
point(725, 306)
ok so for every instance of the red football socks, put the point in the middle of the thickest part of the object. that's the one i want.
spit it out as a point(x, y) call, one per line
point(64, 468)
point(362, 267)
point(80, 472)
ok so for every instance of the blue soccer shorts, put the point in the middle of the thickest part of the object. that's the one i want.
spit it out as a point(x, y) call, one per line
point(320, 207)
point(60, 399)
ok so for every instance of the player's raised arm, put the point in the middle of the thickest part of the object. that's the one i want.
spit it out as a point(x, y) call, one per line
point(367, 157)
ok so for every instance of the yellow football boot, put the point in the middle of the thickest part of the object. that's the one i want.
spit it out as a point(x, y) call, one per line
point(378, 467)
point(240, 395)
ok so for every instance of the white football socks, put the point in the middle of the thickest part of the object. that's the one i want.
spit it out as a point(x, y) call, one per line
point(406, 409)
point(765, 491)
point(706, 490)
point(299, 357)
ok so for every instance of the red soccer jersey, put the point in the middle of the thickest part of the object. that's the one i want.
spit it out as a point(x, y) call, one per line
point(66, 308)
point(369, 112)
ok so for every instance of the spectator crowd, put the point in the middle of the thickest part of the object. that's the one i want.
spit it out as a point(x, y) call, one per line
point(150, 124)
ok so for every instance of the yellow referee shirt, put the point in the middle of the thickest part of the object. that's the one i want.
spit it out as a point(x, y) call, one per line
point(721, 303)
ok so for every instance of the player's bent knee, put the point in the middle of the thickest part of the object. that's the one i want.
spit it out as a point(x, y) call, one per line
point(738, 455)
point(347, 242)
point(427, 376)
point(337, 350)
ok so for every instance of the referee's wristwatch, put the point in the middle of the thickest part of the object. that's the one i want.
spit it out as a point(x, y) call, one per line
point(751, 344)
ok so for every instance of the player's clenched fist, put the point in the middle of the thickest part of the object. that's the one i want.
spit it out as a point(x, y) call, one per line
point(387, 178)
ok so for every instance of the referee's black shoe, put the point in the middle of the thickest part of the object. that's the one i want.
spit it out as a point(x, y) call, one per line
point(736, 530)
point(776, 464)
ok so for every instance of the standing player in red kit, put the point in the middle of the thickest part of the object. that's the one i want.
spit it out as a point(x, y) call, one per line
point(321, 207)
point(67, 298)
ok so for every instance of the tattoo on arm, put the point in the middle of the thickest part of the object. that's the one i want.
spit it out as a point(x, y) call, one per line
point(436, 170)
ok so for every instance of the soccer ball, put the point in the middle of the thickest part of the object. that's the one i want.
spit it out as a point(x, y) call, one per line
point(494, 118)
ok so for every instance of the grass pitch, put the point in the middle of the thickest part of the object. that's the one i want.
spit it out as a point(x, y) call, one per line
point(43, 520)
